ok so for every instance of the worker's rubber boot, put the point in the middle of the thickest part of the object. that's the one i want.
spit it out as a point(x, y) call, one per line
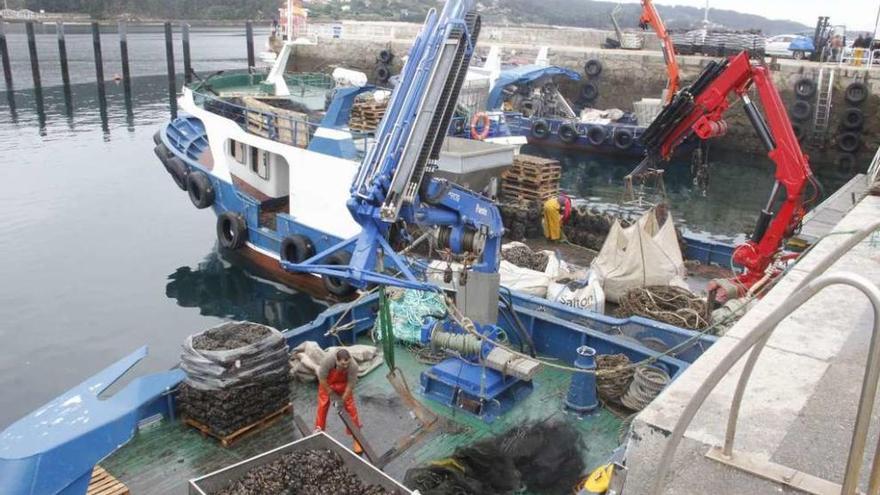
point(356, 448)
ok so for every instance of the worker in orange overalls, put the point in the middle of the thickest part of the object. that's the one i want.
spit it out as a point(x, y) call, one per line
point(338, 374)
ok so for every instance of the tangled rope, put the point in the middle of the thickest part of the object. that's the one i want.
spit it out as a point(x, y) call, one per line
point(613, 376)
point(672, 305)
point(646, 385)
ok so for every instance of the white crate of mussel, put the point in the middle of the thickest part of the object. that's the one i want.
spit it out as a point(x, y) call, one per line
point(314, 465)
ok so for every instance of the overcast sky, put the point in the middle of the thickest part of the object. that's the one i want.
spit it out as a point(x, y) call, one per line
point(856, 14)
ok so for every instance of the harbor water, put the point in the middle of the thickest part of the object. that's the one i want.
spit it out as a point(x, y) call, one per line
point(100, 253)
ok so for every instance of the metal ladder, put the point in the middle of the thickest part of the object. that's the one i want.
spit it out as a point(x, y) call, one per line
point(822, 116)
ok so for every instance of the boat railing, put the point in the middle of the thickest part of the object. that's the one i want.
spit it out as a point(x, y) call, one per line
point(755, 340)
point(279, 125)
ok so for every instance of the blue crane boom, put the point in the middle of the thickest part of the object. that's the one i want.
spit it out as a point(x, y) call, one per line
point(395, 184)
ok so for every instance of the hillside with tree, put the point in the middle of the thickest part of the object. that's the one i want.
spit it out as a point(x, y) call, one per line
point(579, 13)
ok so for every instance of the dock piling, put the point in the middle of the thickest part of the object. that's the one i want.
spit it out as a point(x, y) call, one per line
point(4, 54)
point(35, 72)
point(32, 52)
point(65, 69)
point(99, 72)
point(187, 62)
point(123, 53)
point(172, 79)
point(249, 32)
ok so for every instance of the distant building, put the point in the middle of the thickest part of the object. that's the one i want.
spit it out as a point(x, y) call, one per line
point(23, 14)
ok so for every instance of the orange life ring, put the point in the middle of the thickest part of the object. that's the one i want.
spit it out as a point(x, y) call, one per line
point(484, 133)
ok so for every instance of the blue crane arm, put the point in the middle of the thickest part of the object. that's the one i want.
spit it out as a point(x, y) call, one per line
point(394, 183)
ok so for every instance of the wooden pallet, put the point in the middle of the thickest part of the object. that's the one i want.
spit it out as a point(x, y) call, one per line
point(532, 184)
point(250, 429)
point(512, 192)
point(103, 483)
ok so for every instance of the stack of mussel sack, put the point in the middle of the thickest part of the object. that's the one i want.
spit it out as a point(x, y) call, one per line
point(236, 374)
point(586, 227)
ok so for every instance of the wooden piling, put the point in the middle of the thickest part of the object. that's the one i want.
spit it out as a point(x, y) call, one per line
point(187, 62)
point(32, 51)
point(126, 70)
point(65, 69)
point(249, 32)
point(4, 54)
point(99, 64)
point(172, 79)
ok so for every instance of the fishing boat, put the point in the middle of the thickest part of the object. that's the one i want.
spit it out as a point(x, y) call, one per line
point(279, 183)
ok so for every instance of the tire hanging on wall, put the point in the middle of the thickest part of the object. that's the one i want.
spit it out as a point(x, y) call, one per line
point(849, 142)
point(596, 135)
point(336, 286)
point(386, 56)
point(296, 248)
point(589, 91)
point(157, 137)
point(856, 93)
point(540, 129)
point(568, 133)
point(853, 119)
point(231, 230)
point(178, 171)
point(801, 110)
point(383, 74)
point(200, 189)
point(623, 138)
point(805, 87)
point(592, 68)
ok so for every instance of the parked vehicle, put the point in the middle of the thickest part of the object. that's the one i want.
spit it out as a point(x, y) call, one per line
point(789, 46)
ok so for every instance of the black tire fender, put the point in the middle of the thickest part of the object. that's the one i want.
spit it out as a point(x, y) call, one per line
point(801, 110)
point(589, 91)
point(157, 137)
point(231, 230)
point(296, 248)
point(540, 129)
point(849, 142)
point(593, 68)
point(568, 133)
point(853, 119)
point(856, 93)
point(799, 132)
point(596, 135)
point(336, 286)
point(200, 189)
point(383, 74)
point(623, 138)
point(163, 154)
point(179, 172)
point(386, 56)
point(805, 87)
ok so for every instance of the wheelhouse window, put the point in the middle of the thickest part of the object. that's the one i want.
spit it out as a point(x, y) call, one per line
point(260, 162)
point(236, 151)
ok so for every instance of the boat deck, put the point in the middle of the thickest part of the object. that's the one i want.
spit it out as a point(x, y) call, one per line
point(161, 458)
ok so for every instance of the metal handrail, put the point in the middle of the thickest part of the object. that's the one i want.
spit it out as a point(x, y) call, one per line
point(874, 168)
point(757, 339)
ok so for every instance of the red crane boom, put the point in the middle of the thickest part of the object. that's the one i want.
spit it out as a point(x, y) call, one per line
point(699, 109)
point(650, 17)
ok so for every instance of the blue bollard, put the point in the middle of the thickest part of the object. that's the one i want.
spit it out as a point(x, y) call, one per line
point(582, 397)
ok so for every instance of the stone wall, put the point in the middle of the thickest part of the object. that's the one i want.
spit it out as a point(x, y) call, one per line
point(627, 75)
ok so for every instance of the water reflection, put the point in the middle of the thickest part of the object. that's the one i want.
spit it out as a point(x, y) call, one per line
point(738, 188)
point(221, 288)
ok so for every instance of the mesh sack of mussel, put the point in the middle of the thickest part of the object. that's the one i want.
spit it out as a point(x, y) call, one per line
point(522, 219)
point(236, 374)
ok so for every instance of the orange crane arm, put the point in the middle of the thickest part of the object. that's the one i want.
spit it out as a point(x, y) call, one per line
point(650, 17)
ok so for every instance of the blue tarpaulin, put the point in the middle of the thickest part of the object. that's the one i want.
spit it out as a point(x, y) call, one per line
point(802, 44)
point(524, 74)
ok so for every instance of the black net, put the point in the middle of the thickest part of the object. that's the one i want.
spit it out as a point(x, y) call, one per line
point(544, 457)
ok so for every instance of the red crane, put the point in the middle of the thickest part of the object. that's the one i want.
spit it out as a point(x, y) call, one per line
point(699, 110)
point(650, 17)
